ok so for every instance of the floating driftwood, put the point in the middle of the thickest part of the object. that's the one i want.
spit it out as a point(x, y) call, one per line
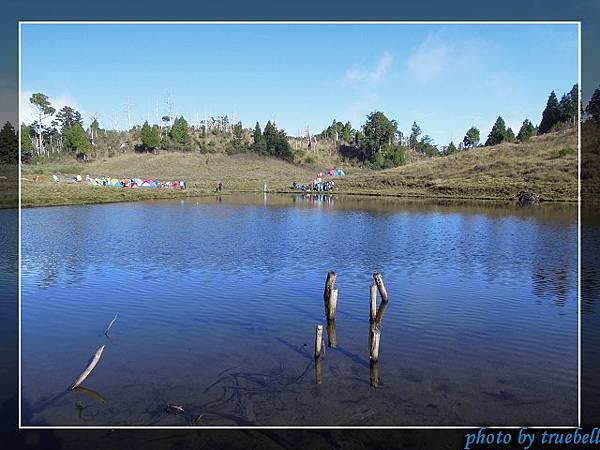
point(89, 368)
point(111, 324)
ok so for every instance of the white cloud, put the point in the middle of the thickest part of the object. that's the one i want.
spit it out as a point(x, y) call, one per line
point(372, 75)
point(27, 112)
point(438, 55)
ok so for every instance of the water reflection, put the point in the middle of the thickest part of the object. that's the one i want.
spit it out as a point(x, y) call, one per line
point(433, 238)
point(218, 297)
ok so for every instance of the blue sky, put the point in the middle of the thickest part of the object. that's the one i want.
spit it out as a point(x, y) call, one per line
point(444, 77)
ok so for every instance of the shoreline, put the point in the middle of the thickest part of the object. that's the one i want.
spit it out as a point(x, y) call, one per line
point(124, 195)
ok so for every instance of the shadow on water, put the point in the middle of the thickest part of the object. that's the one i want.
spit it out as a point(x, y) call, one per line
point(44, 404)
point(301, 350)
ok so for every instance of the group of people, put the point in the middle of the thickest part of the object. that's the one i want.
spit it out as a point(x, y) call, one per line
point(319, 184)
point(316, 185)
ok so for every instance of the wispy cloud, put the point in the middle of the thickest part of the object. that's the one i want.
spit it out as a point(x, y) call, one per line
point(358, 109)
point(439, 55)
point(371, 75)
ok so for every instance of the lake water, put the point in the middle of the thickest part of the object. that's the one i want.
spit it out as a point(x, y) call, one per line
point(218, 299)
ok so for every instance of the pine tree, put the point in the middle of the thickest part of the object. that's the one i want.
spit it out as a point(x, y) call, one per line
point(76, 140)
point(149, 136)
point(415, 132)
point(258, 141)
point(237, 141)
point(451, 149)
point(498, 133)
point(26, 142)
point(67, 117)
point(270, 137)
point(551, 115)
point(569, 105)
point(9, 144)
point(527, 130)
point(471, 137)
point(257, 136)
point(347, 132)
point(510, 135)
point(180, 132)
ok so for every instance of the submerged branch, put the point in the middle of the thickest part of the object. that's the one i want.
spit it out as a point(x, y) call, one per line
point(111, 324)
point(89, 368)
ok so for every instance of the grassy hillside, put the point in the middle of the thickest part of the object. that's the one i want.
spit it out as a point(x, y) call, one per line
point(244, 172)
point(545, 164)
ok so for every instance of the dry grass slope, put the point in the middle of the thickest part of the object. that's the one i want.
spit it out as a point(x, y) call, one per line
point(243, 172)
point(545, 164)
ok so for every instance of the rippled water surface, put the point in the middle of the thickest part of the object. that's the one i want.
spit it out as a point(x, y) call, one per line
point(218, 299)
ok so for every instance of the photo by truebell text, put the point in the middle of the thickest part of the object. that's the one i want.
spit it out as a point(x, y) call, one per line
point(531, 439)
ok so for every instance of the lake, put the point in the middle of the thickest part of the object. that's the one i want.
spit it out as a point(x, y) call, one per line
point(218, 299)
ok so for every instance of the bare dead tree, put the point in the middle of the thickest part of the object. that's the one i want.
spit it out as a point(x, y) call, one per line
point(170, 106)
point(128, 114)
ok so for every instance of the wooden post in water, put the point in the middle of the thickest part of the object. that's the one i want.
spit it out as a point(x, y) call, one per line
point(374, 344)
point(329, 284)
point(318, 371)
point(332, 304)
point(331, 334)
point(379, 282)
point(373, 301)
point(318, 353)
point(374, 373)
point(376, 316)
point(319, 341)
